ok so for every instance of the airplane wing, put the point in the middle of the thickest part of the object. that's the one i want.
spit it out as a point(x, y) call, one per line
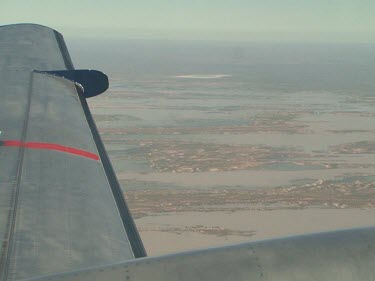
point(62, 212)
point(336, 256)
point(61, 207)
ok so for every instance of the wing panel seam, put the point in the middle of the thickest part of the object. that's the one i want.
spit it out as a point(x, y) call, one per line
point(9, 241)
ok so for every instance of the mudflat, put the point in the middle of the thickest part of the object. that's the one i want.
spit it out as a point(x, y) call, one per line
point(212, 148)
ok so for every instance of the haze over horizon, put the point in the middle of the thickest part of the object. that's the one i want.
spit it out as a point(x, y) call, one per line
point(237, 20)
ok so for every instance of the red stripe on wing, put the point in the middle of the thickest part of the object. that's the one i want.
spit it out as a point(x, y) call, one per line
point(51, 146)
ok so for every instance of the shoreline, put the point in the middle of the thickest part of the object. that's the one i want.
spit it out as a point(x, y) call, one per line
point(175, 232)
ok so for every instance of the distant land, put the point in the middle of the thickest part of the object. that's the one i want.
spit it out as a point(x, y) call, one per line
point(216, 143)
point(200, 76)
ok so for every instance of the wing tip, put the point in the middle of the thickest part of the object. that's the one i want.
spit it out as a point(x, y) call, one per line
point(26, 24)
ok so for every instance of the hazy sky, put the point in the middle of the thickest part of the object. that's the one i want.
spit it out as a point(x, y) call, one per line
point(348, 20)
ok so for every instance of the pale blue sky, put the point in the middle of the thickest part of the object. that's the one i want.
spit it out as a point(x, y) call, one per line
point(341, 20)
